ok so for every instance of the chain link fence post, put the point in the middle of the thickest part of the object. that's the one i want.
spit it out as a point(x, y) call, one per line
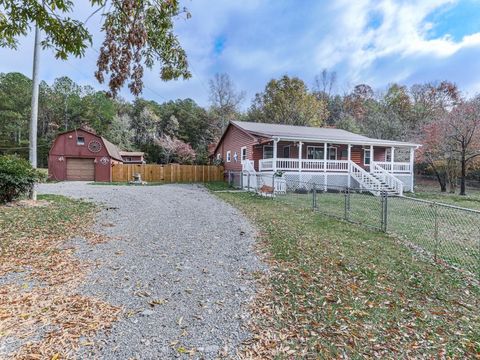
point(273, 185)
point(383, 210)
point(314, 196)
point(248, 181)
point(347, 203)
point(435, 232)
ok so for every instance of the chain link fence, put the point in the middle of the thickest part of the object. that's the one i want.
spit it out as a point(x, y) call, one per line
point(448, 234)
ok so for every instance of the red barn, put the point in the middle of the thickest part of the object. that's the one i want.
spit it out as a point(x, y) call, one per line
point(82, 155)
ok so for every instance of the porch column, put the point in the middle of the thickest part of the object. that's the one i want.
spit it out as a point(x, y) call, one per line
point(371, 158)
point(412, 157)
point(349, 158)
point(275, 142)
point(325, 176)
point(392, 152)
point(300, 144)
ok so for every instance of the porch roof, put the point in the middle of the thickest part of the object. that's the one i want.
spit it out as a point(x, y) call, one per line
point(313, 134)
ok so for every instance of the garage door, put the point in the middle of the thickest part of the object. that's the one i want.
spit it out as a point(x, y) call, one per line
point(80, 169)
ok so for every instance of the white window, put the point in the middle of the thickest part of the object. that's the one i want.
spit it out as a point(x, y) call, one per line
point(235, 156)
point(315, 152)
point(332, 153)
point(80, 140)
point(268, 152)
point(286, 152)
point(229, 156)
point(388, 154)
point(243, 153)
point(219, 156)
point(366, 156)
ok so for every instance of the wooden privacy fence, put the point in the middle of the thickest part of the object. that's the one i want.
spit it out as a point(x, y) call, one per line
point(167, 173)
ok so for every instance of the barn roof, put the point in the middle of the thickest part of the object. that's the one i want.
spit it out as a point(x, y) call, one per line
point(112, 149)
point(305, 133)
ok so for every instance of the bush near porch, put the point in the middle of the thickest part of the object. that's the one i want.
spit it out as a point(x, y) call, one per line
point(339, 290)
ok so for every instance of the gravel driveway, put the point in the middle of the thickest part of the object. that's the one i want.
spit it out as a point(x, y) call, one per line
point(180, 265)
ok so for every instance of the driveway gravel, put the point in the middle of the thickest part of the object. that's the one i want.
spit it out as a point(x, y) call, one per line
point(179, 263)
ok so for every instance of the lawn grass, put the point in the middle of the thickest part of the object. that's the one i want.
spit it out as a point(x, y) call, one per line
point(339, 290)
point(218, 186)
point(40, 306)
point(431, 193)
point(449, 234)
point(19, 222)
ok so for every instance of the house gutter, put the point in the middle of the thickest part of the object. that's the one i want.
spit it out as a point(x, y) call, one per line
point(352, 142)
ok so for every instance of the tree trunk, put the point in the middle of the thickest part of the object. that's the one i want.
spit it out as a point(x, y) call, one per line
point(463, 175)
point(442, 182)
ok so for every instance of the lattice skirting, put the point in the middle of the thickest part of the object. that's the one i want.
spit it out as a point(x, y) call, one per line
point(327, 181)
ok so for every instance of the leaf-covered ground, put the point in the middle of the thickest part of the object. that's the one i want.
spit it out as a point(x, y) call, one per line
point(337, 290)
point(41, 313)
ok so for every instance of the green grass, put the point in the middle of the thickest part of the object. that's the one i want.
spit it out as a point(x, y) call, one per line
point(428, 192)
point(456, 242)
point(52, 221)
point(340, 290)
point(218, 186)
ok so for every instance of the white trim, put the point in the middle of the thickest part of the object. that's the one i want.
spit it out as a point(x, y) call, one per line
point(264, 146)
point(241, 154)
point(328, 152)
point(315, 147)
point(229, 156)
point(300, 150)
point(352, 142)
point(275, 148)
point(364, 157)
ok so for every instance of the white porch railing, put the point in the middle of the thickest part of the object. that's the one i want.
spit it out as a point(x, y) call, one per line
point(391, 181)
point(396, 167)
point(307, 165)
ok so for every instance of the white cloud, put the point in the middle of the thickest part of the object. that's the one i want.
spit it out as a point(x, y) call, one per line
point(267, 38)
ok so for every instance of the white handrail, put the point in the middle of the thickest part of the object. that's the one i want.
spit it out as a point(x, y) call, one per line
point(364, 178)
point(396, 167)
point(388, 179)
point(287, 164)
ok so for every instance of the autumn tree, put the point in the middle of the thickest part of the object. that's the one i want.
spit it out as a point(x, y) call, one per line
point(462, 128)
point(225, 101)
point(138, 34)
point(287, 101)
point(432, 152)
point(175, 150)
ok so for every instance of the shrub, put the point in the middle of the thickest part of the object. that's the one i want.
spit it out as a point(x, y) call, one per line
point(17, 177)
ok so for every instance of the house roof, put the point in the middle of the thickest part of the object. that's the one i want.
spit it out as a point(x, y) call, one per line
point(304, 133)
point(131, 153)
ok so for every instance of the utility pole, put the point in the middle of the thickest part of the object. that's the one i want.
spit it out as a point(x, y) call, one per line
point(34, 113)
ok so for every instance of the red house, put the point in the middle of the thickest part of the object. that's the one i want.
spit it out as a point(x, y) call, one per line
point(83, 155)
point(326, 156)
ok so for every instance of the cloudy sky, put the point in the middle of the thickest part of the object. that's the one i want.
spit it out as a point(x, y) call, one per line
point(374, 42)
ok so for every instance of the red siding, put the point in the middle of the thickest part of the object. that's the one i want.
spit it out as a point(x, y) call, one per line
point(233, 141)
point(235, 138)
point(65, 146)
